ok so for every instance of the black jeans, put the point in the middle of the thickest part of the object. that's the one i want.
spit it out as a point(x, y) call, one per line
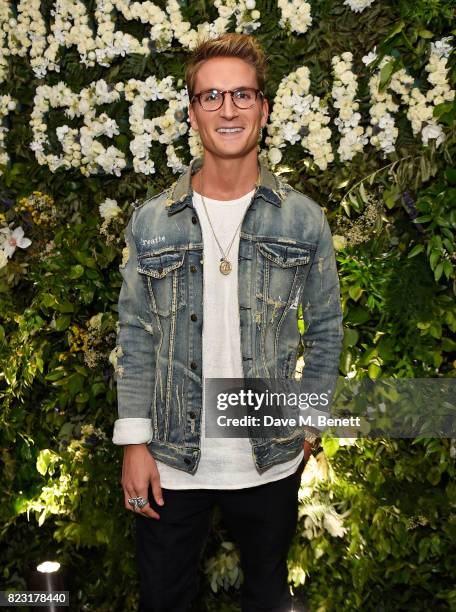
point(262, 520)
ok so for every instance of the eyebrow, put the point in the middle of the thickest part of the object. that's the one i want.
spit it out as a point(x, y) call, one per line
point(234, 88)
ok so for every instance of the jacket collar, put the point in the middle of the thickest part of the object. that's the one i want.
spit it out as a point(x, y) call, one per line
point(180, 194)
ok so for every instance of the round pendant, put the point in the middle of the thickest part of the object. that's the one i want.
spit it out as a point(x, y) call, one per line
point(225, 266)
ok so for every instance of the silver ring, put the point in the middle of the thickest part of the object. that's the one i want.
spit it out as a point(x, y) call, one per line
point(137, 502)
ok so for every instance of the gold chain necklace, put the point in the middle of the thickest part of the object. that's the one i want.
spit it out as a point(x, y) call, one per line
point(225, 266)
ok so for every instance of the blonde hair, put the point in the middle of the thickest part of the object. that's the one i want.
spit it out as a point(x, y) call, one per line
point(231, 44)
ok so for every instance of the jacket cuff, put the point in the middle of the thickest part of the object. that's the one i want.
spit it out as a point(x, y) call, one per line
point(132, 431)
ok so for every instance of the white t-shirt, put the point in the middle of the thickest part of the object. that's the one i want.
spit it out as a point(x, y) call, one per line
point(225, 463)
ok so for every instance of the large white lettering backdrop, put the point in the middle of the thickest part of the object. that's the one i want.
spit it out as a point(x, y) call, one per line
point(93, 118)
point(297, 116)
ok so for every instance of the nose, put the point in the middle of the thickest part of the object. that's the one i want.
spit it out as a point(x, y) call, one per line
point(228, 108)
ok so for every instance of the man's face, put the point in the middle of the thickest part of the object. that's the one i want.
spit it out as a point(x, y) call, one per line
point(228, 73)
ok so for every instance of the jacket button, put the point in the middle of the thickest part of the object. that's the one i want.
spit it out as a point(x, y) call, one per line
point(191, 415)
point(193, 316)
point(193, 365)
point(187, 460)
point(194, 220)
point(192, 268)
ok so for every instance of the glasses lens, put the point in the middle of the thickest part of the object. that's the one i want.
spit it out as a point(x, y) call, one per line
point(243, 98)
point(211, 100)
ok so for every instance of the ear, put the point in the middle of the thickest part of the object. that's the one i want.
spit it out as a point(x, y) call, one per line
point(192, 117)
point(265, 112)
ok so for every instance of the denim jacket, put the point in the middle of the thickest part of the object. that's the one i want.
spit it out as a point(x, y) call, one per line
point(286, 257)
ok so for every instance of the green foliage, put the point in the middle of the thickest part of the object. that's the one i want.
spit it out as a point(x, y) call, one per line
point(385, 540)
point(376, 517)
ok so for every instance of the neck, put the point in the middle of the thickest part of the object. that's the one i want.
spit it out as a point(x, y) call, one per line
point(225, 178)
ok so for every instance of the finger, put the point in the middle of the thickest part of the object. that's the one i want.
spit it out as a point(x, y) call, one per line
point(128, 493)
point(156, 489)
point(147, 510)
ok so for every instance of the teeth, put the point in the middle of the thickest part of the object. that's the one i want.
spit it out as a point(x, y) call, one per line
point(228, 130)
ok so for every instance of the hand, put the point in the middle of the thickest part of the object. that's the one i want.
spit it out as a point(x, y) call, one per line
point(138, 470)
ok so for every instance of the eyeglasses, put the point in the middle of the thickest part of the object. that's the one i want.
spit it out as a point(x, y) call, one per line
point(212, 99)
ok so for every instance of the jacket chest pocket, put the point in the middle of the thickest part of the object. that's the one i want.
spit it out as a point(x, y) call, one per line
point(164, 278)
point(281, 272)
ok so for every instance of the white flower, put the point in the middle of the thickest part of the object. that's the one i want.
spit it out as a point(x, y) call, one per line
point(13, 239)
point(125, 256)
point(290, 132)
point(6, 104)
point(442, 47)
point(95, 321)
point(114, 355)
point(343, 93)
point(357, 6)
point(109, 209)
point(432, 131)
point(274, 156)
point(333, 523)
point(296, 14)
point(339, 242)
point(370, 57)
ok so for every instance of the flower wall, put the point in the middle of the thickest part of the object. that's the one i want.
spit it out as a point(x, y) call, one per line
point(93, 118)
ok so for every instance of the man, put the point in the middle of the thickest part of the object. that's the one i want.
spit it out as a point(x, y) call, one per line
point(232, 245)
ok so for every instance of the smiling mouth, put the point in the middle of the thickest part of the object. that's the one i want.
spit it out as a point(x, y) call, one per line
point(231, 133)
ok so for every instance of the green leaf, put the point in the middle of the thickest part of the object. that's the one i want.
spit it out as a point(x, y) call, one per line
point(448, 268)
point(62, 322)
point(396, 29)
point(346, 360)
point(433, 475)
point(66, 430)
point(56, 374)
point(390, 200)
point(422, 219)
point(418, 248)
point(367, 356)
point(43, 461)
point(363, 193)
point(438, 271)
point(385, 348)
point(355, 292)
point(435, 330)
point(76, 271)
point(330, 446)
point(434, 258)
point(98, 389)
point(374, 370)
point(39, 363)
point(350, 337)
point(450, 174)
point(20, 505)
point(425, 34)
point(64, 307)
point(385, 75)
point(48, 300)
point(357, 315)
point(448, 245)
point(448, 345)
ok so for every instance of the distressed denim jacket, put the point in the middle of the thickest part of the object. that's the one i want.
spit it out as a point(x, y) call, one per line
point(286, 257)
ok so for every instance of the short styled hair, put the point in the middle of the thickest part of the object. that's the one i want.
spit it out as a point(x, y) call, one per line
point(231, 44)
